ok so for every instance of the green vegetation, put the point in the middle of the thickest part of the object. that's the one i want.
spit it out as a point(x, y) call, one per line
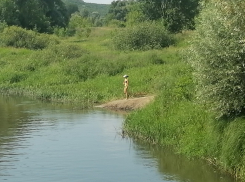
point(41, 15)
point(21, 38)
point(175, 15)
point(84, 71)
point(218, 56)
point(196, 76)
point(144, 36)
point(55, 16)
point(102, 9)
point(46, 16)
point(200, 112)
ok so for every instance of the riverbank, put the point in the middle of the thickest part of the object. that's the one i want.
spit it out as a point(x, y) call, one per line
point(127, 104)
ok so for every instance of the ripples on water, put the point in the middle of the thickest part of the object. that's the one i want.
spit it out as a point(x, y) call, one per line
point(44, 142)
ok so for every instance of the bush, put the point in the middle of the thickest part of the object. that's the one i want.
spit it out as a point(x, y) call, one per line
point(218, 56)
point(79, 26)
point(60, 32)
point(3, 25)
point(116, 23)
point(144, 36)
point(21, 38)
point(54, 53)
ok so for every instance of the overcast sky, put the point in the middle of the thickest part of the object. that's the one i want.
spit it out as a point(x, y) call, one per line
point(98, 1)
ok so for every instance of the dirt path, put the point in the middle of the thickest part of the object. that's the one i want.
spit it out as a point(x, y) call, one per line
point(128, 104)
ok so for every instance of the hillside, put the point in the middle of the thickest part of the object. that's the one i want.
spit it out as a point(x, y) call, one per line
point(102, 9)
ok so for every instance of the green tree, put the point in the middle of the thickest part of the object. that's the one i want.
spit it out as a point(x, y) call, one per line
point(218, 56)
point(9, 12)
point(79, 26)
point(96, 19)
point(152, 8)
point(71, 8)
point(57, 12)
point(177, 15)
point(117, 11)
point(135, 14)
point(41, 15)
point(84, 13)
point(32, 15)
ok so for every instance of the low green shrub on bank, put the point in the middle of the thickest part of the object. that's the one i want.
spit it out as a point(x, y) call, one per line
point(21, 38)
point(144, 36)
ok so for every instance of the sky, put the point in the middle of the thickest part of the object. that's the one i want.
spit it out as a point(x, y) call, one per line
point(98, 1)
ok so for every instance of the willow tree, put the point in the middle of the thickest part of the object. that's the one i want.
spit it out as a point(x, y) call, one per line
point(218, 56)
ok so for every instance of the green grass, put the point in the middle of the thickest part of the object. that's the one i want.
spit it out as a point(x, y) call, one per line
point(87, 71)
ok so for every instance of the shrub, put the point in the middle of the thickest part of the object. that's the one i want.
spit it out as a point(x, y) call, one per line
point(83, 32)
point(55, 53)
point(218, 56)
point(68, 51)
point(79, 26)
point(2, 26)
point(116, 23)
point(144, 36)
point(21, 38)
point(60, 32)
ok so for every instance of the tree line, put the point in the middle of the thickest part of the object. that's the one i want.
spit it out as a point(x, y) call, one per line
point(34, 14)
point(174, 14)
point(44, 15)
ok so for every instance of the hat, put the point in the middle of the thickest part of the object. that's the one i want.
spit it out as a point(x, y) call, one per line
point(125, 76)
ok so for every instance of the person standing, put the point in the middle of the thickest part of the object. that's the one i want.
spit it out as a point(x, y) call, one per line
point(125, 83)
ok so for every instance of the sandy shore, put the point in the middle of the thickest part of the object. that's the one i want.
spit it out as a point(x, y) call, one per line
point(128, 104)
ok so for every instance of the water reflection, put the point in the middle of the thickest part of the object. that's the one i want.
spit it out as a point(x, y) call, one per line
point(20, 120)
point(176, 167)
point(51, 142)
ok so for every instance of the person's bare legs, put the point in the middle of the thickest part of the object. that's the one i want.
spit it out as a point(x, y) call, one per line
point(126, 92)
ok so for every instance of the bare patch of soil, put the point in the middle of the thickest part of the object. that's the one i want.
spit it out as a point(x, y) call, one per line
point(128, 104)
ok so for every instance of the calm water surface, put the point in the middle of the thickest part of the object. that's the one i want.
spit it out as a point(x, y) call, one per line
point(46, 142)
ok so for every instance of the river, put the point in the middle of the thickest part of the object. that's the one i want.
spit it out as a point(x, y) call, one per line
point(50, 142)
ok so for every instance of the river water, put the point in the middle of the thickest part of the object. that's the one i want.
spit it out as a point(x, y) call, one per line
point(62, 143)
